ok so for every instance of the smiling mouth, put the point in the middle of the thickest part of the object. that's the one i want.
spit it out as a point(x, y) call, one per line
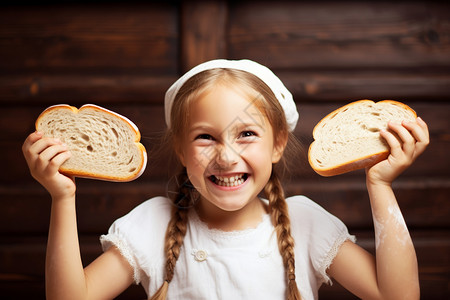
point(229, 181)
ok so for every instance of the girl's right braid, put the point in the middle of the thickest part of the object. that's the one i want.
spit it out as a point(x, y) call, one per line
point(176, 230)
point(280, 218)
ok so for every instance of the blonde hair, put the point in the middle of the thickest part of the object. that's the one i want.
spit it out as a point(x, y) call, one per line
point(267, 103)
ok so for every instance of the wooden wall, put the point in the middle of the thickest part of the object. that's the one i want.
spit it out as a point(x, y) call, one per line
point(124, 55)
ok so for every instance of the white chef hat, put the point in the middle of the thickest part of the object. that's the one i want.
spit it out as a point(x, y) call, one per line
point(262, 72)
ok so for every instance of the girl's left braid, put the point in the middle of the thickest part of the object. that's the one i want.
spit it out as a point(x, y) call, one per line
point(280, 218)
point(176, 230)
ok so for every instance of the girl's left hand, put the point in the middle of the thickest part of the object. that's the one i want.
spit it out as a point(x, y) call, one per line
point(413, 140)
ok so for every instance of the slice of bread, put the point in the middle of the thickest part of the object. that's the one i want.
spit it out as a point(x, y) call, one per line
point(104, 144)
point(349, 138)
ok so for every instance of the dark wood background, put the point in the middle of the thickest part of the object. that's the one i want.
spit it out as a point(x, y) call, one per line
point(124, 55)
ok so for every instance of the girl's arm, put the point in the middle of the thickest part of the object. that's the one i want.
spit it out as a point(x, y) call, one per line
point(65, 278)
point(393, 274)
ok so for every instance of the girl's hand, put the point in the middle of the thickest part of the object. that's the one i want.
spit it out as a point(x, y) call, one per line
point(413, 138)
point(44, 156)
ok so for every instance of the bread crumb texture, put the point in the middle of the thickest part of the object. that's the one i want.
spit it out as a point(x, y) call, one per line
point(349, 137)
point(104, 144)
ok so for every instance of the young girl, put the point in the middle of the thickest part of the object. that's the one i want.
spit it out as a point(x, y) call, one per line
point(230, 123)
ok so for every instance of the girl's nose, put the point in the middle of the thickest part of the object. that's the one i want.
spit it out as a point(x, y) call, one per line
point(226, 156)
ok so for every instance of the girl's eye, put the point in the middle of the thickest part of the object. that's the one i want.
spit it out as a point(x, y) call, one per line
point(248, 134)
point(204, 136)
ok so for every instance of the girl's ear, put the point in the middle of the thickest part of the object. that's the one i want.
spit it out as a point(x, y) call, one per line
point(278, 148)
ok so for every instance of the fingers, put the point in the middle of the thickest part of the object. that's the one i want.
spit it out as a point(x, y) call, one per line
point(393, 142)
point(51, 158)
point(31, 139)
point(44, 154)
point(413, 138)
point(407, 140)
point(419, 131)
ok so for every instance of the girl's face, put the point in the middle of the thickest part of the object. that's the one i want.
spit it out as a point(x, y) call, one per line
point(228, 149)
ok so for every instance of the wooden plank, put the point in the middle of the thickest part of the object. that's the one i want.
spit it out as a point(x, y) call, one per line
point(307, 35)
point(424, 203)
point(76, 89)
point(109, 37)
point(23, 259)
point(203, 39)
point(347, 85)
point(306, 86)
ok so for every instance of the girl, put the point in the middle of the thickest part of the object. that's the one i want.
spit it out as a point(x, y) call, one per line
point(230, 123)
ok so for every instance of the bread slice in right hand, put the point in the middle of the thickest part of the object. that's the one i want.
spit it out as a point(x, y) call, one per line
point(349, 138)
point(104, 145)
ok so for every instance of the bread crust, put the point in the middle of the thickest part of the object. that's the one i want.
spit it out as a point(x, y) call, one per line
point(92, 174)
point(359, 163)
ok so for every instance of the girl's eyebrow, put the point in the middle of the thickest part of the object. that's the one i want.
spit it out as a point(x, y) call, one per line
point(242, 125)
point(199, 127)
point(236, 124)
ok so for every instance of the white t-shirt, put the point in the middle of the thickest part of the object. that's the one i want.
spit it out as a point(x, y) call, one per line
point(228, 265)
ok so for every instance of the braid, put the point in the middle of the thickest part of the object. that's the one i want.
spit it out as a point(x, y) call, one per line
point(176, 230)
point(280, 218)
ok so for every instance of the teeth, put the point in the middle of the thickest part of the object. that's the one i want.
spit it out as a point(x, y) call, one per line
point(229, 181)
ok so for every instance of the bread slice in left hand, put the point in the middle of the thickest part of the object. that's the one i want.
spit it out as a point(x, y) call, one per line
point(104, 145)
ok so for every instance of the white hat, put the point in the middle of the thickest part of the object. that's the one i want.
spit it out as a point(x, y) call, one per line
point(262, 72)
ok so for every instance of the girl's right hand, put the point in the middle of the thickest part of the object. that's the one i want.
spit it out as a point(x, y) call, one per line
point(44, 156)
